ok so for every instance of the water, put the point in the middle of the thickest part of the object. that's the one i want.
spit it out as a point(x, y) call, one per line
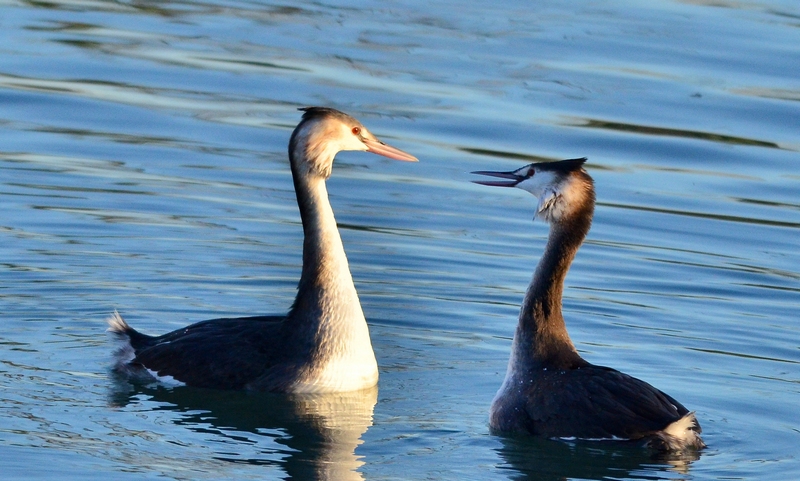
point(143, 168)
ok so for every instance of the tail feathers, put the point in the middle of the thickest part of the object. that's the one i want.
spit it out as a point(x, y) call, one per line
point(126, 352)
point(117, 325)
point(679, 435)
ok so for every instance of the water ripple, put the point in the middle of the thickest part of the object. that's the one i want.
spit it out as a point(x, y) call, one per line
point(672, 132)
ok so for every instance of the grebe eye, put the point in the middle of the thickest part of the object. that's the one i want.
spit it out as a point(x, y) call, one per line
point(356, 130)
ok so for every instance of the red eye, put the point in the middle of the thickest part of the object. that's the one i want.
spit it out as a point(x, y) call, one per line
point(356, 130)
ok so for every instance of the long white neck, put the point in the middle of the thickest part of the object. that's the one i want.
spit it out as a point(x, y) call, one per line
point(326, 287)
point(326, 318)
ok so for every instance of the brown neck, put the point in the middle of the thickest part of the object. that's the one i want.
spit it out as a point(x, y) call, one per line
point(542, 333)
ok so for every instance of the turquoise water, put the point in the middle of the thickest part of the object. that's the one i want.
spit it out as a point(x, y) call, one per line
point(143, 168)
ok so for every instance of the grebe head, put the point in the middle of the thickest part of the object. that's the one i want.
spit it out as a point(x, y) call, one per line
point(563, 188)
point(324, 132)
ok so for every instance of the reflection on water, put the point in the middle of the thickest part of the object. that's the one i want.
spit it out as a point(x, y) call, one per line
point(729, 218)
point(689, 134)
point(320, 431)
point(550, 460)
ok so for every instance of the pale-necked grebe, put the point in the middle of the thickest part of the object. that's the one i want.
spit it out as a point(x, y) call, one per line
point(323, 344)
point(549, 389)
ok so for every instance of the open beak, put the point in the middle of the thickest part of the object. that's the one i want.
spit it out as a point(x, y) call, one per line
point(513, 178)
point(377, 147)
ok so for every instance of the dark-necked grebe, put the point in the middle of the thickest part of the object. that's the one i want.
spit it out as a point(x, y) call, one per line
point(549, 389)
point(323, 344)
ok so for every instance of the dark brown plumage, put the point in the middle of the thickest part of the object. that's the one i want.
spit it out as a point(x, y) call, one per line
point(549, 389)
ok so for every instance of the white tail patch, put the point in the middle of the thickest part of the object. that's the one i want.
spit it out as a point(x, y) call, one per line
point(678, 428)
point(117, 324)
point(683, 433)
point(124, 354)
point(168, 381)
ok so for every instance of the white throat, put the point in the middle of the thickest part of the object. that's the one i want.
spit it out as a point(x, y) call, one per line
point(327, 309)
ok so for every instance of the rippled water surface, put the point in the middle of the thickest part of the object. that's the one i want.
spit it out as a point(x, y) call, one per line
point(143, 168)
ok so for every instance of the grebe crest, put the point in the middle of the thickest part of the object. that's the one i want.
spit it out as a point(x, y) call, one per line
point(323, 132)
point(563, 188)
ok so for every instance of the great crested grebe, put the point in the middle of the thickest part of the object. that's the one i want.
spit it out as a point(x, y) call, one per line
point(549, 389)
point(323, 343)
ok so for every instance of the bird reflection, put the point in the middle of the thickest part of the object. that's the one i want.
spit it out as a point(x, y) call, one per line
point(541, 459)
point(321, 431)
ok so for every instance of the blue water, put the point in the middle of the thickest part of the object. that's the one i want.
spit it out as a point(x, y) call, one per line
point(143, 168)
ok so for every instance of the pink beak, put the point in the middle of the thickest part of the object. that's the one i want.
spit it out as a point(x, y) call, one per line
point(377, 147)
